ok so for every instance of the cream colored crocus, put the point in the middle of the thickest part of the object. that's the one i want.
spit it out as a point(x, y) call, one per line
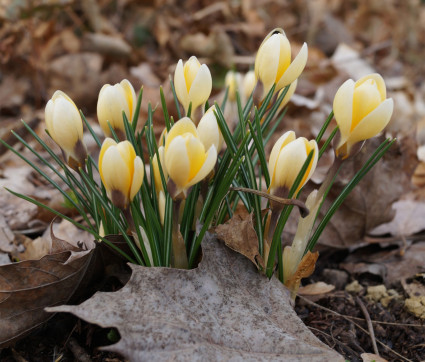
point(209, 131)
point(186, 160)
point(273, 62)
point(233, 81)
point(156, 171)
point(361, 111)
point(286, 160)
point(193, 83)
point(112, 102)
point(248, 84)
point(121, 171)
point(64, 124)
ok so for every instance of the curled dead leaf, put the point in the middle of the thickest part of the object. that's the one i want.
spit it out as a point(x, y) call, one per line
point(305, 269)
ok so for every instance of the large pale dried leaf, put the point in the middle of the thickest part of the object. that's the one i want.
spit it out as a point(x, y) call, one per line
point(408, 219)
point(27, 287)
point(316, 289)
point(239, 235)
point(222, 310)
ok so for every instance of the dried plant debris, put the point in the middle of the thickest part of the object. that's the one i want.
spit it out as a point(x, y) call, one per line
point(221, 310)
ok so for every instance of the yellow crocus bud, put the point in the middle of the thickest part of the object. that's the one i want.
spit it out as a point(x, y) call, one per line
point(209, 131)
point(112, 101)
point(233, 81)
point(121, 171)
point(249, 83)
point(157, 172)
point(64, 124)
point(273, 61)
point(286, 160)
point(193, 83)
point(361, 111)
point(161, 206)
point(186, 161)
point(288, 95)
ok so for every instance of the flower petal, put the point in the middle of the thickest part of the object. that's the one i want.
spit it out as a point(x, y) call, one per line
point(200, 89)
point(184, 125)
point(208, 130)
point(177, 161)
point(108, 142)
point(196, 152)
point(295, 69)
point(180, 85)
point(116, 175)
point(373, 123)
point(130, 96)
point(136, 183)
point(267, 62)
point(207, 167)
point(380, 83)
point(280, 143)
point(343, 109)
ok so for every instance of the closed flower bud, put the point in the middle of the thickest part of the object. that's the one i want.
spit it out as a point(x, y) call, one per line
point(185, 157)
point(249, 83)
point(121, 171)
point(273, 61)
point(361, 111)
point(286, 160)
point(288, 95)
point(64, 124)
point(156, 170)
point(161, 206)
point(112, 101)
point(209, 131)
point(193, 83)
point(233, 81)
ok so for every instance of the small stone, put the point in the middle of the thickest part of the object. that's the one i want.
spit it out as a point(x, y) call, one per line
point(416, 306)
point(336, 277)
point(376, 293)
point(354, 287)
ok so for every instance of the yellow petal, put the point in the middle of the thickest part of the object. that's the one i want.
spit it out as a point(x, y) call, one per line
point(108, 142)
point(280, 143)
point(295, 69)
point(343, 109)
point(209, 131)
point(128, 154)
point(284, 57)
point(116, 174)
point(366, 98)
point(201, 86)
point(196, 153)
point(180, 85)
point(48, 115)
point(191, 69)
point(267, 62)
point(136, 183)
point(288, 94)
point(177, 161)
point(379, 81)
point(161, 206)
point(249, 83)
point(184, 125)
point(373, 123)
point(207, 166)
point(130, 96)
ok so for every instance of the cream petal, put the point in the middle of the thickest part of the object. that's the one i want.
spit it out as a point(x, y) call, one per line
point(156, 171)
point(177, 162)
point(267, 62)
point(249, 83)
point(136, 183)
point(128, 154)
point(206, 168)
point(343, 109)
point(200, 89)
point(59, 94)
point(209, 132)
point(280, 143)
point(108, 142)
point(48, 115)
point(191, 69)
point(288, 94)
point(180, 85)
point(130, 96)
point(289, 163)
point(110, 105)
point(116, 174)
point(161, 206)
point(373, 123)
point(380, 83)
point(182, 126)
point(67, 124)
point(295, 68)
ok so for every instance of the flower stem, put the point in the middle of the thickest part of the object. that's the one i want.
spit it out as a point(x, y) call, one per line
point(179, 256)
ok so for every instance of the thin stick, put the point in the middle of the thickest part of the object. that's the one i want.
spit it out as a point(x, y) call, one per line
point(369, 324)
point(357, 325)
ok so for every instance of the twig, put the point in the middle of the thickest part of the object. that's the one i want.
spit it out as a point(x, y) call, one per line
point(357, 325)
point(369, 324)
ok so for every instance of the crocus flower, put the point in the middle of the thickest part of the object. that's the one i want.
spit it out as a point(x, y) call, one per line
point(112, 101)
point(156, 171)
point(248, 84)
point(121, 171)
point(273, 61)
point(361, 111)
point(185, 157)
point(64, 124)
point(286, 160)
point(233, 81)
point(193, 83)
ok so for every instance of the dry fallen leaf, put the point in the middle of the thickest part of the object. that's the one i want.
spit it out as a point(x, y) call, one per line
point(305, 269)
point(222, 310)
point(27, 287)
point(370, 357)
point(316, 289)
point(239, 235)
